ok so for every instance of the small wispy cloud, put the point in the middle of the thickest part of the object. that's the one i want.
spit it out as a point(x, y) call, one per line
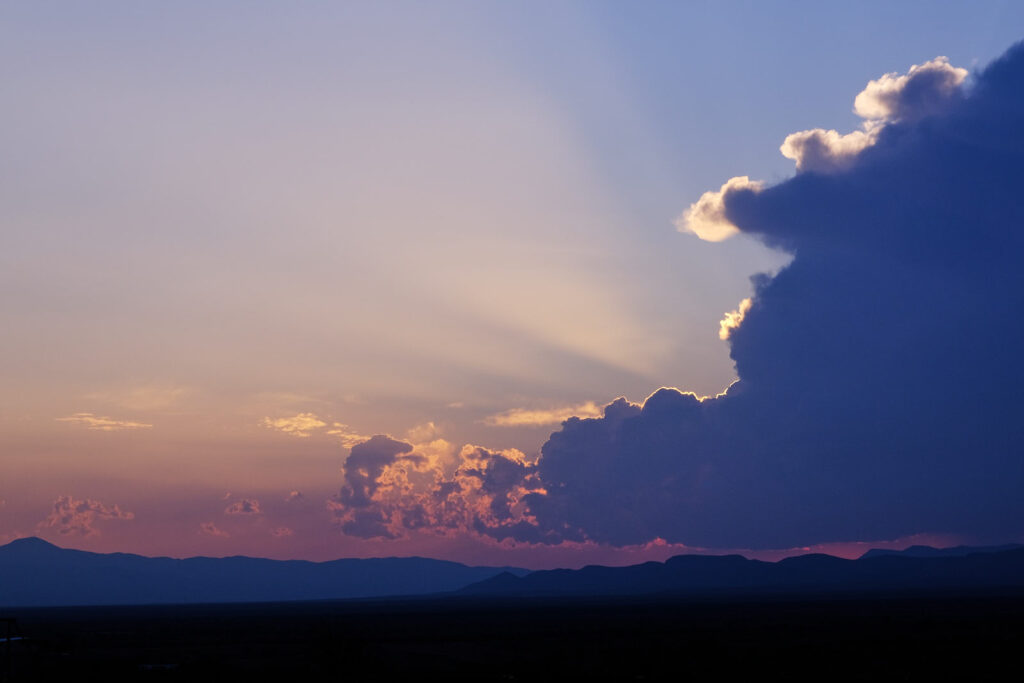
point(423, 433)
point(528, 417)
point(300, 425)
point(245, 506)
point(294, 496)
point(103, 424)
point(211, 529)
point(348, 436)
point(281, 532)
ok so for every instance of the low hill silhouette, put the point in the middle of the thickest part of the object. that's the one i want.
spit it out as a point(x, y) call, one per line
point(34, 572)
point(938, 570)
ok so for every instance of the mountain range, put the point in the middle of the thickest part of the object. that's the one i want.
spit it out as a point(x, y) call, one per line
point(34, 572)
point(916, 569)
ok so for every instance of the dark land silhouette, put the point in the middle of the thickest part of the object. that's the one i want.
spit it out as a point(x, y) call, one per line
point(36, 572)
point(631, 638)
point(915, 570)
point(918, 614)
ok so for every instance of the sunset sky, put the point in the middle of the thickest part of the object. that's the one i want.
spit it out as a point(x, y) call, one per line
point(241, 239)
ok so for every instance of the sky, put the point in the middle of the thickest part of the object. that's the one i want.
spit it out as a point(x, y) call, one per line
point(241, 239)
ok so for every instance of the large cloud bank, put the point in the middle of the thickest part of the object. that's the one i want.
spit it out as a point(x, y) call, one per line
point(880, 381)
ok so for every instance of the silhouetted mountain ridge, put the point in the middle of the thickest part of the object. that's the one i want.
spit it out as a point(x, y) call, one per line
point(35, 572)
point(929, 551)
point(958, 569)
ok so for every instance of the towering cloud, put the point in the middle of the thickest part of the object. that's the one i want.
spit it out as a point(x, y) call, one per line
point(880, 374)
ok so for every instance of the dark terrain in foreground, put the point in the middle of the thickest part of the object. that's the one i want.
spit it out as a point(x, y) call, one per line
point(824, 637)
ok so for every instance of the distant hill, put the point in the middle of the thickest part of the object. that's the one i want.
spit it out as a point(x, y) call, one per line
point(34, 572)
point(734, 574)
point(928, 551)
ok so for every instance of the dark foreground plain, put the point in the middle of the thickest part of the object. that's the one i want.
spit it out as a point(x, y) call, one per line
point(848, 637)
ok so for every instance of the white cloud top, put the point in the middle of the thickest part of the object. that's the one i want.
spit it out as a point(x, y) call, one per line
point(706, 217)
point(924, 90)
point(824, 151)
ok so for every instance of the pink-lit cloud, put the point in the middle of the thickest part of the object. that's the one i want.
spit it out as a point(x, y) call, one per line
point(71, 516)
point(103, 424)
point(393, 488)
point(244, 506)
point(211, 529)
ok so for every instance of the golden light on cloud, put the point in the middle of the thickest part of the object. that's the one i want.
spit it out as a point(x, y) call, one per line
point(300, 425)
point(884, 98)
point(103, 424)
point(706, 217)
point(733, 319)
point(525, 417)
point(346, 435)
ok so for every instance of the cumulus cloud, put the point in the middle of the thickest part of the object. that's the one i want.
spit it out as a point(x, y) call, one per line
point(825, 151)
point(527, 417)
point(925, 89)
point(875, 398)
point(211, 529)
point(301, 425)
point(393, 488)
point(879, 371)
point(70, 516)
point(244, 506)
point(706, 217)
point(294, 496)
point(103, 424)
